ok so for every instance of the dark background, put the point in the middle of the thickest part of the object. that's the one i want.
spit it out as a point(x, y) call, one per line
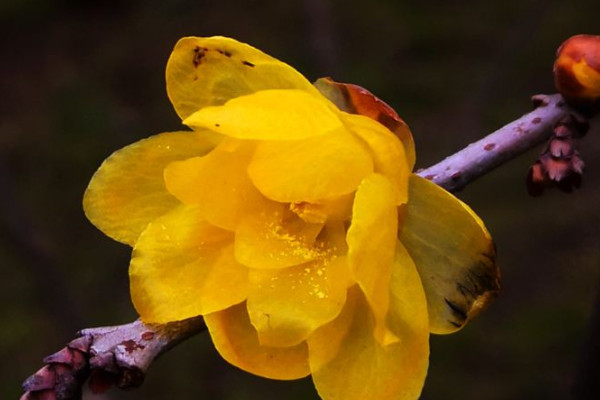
point(80, 79)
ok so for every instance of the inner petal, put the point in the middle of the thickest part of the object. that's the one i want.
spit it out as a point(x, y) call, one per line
point(276, 240)
point(311, 169)
point(287, 305)
point(219, 184)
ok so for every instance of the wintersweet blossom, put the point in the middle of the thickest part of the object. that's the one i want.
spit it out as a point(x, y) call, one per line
point(293, 224)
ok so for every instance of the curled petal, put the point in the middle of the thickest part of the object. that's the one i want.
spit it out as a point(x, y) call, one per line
point(311, 169)
point(128, 191)
point(179, 266)
point(204, 72)
point(454, 255)
point(270, 115)
point(371, 241)
point(237, 342)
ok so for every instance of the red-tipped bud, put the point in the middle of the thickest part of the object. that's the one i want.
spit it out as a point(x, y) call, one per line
point(577, 72)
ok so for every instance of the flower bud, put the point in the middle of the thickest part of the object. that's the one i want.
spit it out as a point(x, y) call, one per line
point(577, 72)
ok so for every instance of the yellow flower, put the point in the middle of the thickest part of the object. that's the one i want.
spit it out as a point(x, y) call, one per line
point(293, 225)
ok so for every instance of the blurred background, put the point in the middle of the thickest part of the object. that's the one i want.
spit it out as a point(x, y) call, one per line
point(80, 79)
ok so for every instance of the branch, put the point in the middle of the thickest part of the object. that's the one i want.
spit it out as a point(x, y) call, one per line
point(479, 158)
point(122, 354)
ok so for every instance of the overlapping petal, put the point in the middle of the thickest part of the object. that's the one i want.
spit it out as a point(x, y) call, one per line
point(127, 192)
point(348, 363)
point(387, 151)
point(237, 342)
point(270, 115)
point(371, 241)
point(453, 252)
point(204, 72)
point(358, 100)
point(311, 169)
point(179, 266)
point(219, 184)
point(287, 305)
point(276, 240)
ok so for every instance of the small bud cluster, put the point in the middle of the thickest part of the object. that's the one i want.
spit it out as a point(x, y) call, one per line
point(559, 163)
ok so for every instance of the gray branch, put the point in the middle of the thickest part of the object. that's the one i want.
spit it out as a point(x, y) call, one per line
point(479, 158)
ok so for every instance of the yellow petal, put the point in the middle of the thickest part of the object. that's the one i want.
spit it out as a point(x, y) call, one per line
point(311, 169)
point(348, 363)
point(371, 241)
point(276, 240)
point(387, 151)
point(128, 191)
point(218, 183)
point(270, 115)
point(287, 305)
point(209, 71)
point(237, 342)
point(454, 254)
point(182, 267)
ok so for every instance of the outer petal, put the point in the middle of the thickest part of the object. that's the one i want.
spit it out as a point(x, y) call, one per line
point(204, 72)
point(128, 191)
point(348, 363)
point(387, 150)
point(270, 115)
point(453, 252)
point(287, 305)
point(218, 183)
point(311, 169)
point(371, 241)
point(182, 267)
point(237, 342)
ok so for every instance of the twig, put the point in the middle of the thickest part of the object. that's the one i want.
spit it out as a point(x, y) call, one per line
point(118, 355)
point(479, 158)
point(122, 354)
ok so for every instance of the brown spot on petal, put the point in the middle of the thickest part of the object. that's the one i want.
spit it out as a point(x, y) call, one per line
point(199, 54)
point(536, 120)
point(489, 146)
point(247, 63)
point(148, 335)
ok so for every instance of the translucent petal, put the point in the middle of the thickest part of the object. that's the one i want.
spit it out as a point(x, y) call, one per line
point(348, 363)
point(270, 115)
point(287, 305)
point(453, 252)
point(371, 241)
point(387, 151)
point(311, 169)
point(128, 191)
point(209, 71)
point(218, 183)
point(276, 240)
point(183, 267)
point(237, 342)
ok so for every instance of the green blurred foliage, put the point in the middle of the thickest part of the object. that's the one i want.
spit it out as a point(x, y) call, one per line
point(80, 79)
